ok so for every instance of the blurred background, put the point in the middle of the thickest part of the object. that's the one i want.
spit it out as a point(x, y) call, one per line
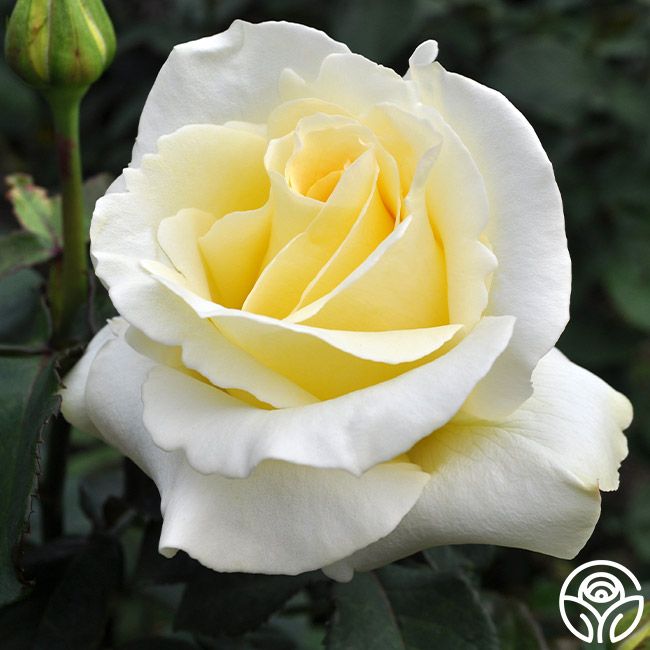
point(579, 70)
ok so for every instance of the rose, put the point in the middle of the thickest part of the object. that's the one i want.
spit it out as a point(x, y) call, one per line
point(339, 295)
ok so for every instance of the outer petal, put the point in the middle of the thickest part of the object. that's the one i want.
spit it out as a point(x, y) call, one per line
point(353, 432)
point(283, 519)
point(73, 393)
point(350, 81)
point(531, 481)
point(525, 228)
point(231, 76)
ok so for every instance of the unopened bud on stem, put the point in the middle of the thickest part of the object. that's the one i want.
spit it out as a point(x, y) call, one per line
point(59, 44)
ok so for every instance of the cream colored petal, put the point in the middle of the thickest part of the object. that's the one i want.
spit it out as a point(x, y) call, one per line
point(325, 363)
point(353, 432)
point(222, 170)
point(216, 169)
point(283, 519)
point(330, 363)
point(178, 237)
point(284, 118)
point(233, 251)
point(169, 320)
point(231, 76)
point(456, 202)
point(372, 227)
point(123, 233)
point(350, 81)
point(406, 136)
point(73, 391)
point(525, 228)
point(280, 286)
point(401, 285)
point(291, 215)
point(530, 481)
point(325, 143)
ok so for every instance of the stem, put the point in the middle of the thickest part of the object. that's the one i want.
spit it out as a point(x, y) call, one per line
point(51, 490)
point(65, 105)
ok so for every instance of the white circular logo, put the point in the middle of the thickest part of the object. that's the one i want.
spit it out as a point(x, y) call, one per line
point(600, 599)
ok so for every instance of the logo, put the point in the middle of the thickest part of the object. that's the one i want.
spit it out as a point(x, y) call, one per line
point(596, 595)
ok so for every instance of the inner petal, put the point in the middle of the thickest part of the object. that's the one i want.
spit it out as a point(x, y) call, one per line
point(405, 136)
point(283, 281)
point(453, 190)
point(402, 285)
point(179, 237)
point(321, 152)
point(326, 363)
point(284, 118)
point(233, 250)
point(374, 224)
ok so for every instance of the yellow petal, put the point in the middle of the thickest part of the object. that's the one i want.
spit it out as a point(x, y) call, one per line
point(374, 224)
point(325, 363)
point(233, 251)
point(291, 215)
point(405, 136)
point(222, 170)
point(284, 118)
point(324, 144)
point(401, 285)
point(178, 236)
point(283, 281)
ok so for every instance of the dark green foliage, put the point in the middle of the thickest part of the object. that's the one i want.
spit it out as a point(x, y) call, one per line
point(516, 627)
point(70, 604)
point(19, 250)
point(157, 643)
point(27, 384)
point(417, 608)
point(233, 603)
point(87, 587)
point(24, 319)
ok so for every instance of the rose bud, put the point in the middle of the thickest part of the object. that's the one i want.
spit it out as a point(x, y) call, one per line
point(54, 44)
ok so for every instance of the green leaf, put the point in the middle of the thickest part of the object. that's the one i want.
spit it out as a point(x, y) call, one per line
point(460, 558)
point(77, 612)
point(20, 249)
point(34, 210)
point(27, 400)
point(364, 617)
point(24, 319)
point(640, 638)
point(516, 626)
point(232, 603)
point(416, 608)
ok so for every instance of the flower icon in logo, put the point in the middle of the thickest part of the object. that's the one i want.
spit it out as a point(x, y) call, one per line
point(601, 601)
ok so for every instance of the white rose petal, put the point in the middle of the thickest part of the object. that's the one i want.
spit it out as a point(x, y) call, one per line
point(531, 481)
point(284, 519)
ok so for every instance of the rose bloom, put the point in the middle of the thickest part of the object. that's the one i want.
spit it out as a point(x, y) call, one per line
point(339, 292)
